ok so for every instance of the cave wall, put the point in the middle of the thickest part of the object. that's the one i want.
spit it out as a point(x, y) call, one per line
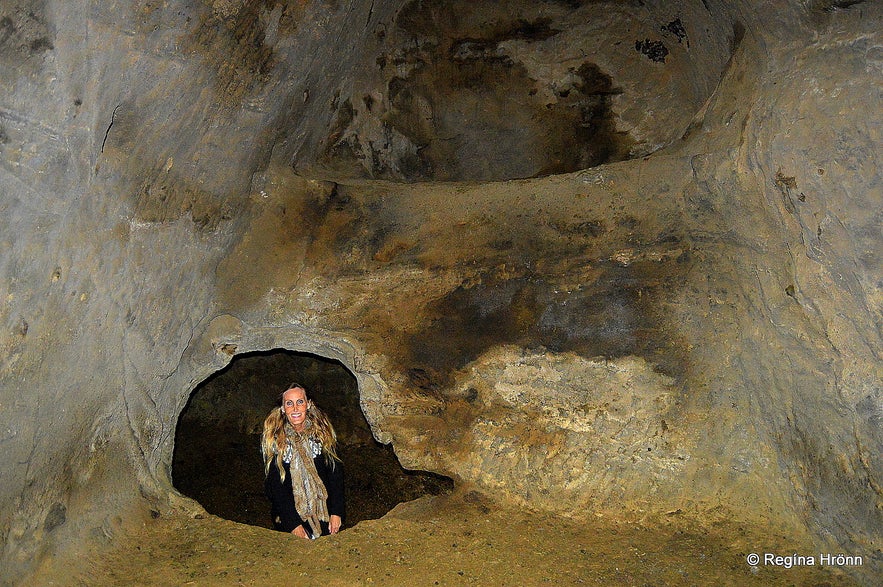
point(692, 327)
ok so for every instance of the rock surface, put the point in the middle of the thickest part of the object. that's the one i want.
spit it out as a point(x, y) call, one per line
point(692, 325)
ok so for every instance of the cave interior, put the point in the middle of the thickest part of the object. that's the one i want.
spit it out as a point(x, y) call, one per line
point(596, 282)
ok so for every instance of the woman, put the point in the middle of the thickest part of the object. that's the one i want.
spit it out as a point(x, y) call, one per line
point(304, 476)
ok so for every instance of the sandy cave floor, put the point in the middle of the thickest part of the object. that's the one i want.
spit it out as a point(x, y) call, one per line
point(456, 539)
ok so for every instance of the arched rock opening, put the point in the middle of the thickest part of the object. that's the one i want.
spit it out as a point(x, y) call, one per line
point(217, 443)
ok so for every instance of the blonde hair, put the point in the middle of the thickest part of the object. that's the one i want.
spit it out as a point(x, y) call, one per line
point(273, 438)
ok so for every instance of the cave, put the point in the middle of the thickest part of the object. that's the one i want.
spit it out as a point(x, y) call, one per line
point(600, 281)
point(217, 441)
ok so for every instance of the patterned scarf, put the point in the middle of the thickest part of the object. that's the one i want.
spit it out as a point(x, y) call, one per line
point(310, 495)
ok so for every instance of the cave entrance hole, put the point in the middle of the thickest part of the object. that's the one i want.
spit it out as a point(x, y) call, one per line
point(217, 461)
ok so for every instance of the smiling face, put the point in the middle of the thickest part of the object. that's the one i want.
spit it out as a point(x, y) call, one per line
point(294, 406)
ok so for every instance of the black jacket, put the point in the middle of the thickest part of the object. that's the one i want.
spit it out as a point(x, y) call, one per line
point(282, 510)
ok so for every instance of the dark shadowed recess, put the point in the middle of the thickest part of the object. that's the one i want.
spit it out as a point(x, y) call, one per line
point(217, 458)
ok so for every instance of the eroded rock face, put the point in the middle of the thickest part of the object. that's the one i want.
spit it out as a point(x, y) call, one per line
point(564, 433)
point(461, 90)
point(696, 331)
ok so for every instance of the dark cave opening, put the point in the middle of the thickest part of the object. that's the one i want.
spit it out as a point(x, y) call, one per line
point(217, 459)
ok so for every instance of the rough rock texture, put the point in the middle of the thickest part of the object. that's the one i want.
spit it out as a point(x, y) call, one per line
point(461, 90)
point(694, 325)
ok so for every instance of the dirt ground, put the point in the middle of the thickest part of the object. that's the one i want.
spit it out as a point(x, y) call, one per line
point(455, 539)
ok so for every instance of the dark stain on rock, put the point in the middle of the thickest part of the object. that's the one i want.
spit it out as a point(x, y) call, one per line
point(337, 199)
point(165, 199)
point(520, 29)
point(24, 33)
point(628, 222)
point(501, 244)
point(616, 315)
point(538, 30)
point(676, 27)
point(40, 45)
point(667, 238)
point(738, 36)
point(590, 228)
point(655, 51)
point(234, 46)
point(785, 182)
point(684, 257)
point(7, 29)
point(835, 5)
point(56, 517)
point(572, 4)
point(786, 186)
point(422, 379)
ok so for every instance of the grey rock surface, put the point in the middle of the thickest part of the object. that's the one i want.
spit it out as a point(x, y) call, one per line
point(564, 266)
